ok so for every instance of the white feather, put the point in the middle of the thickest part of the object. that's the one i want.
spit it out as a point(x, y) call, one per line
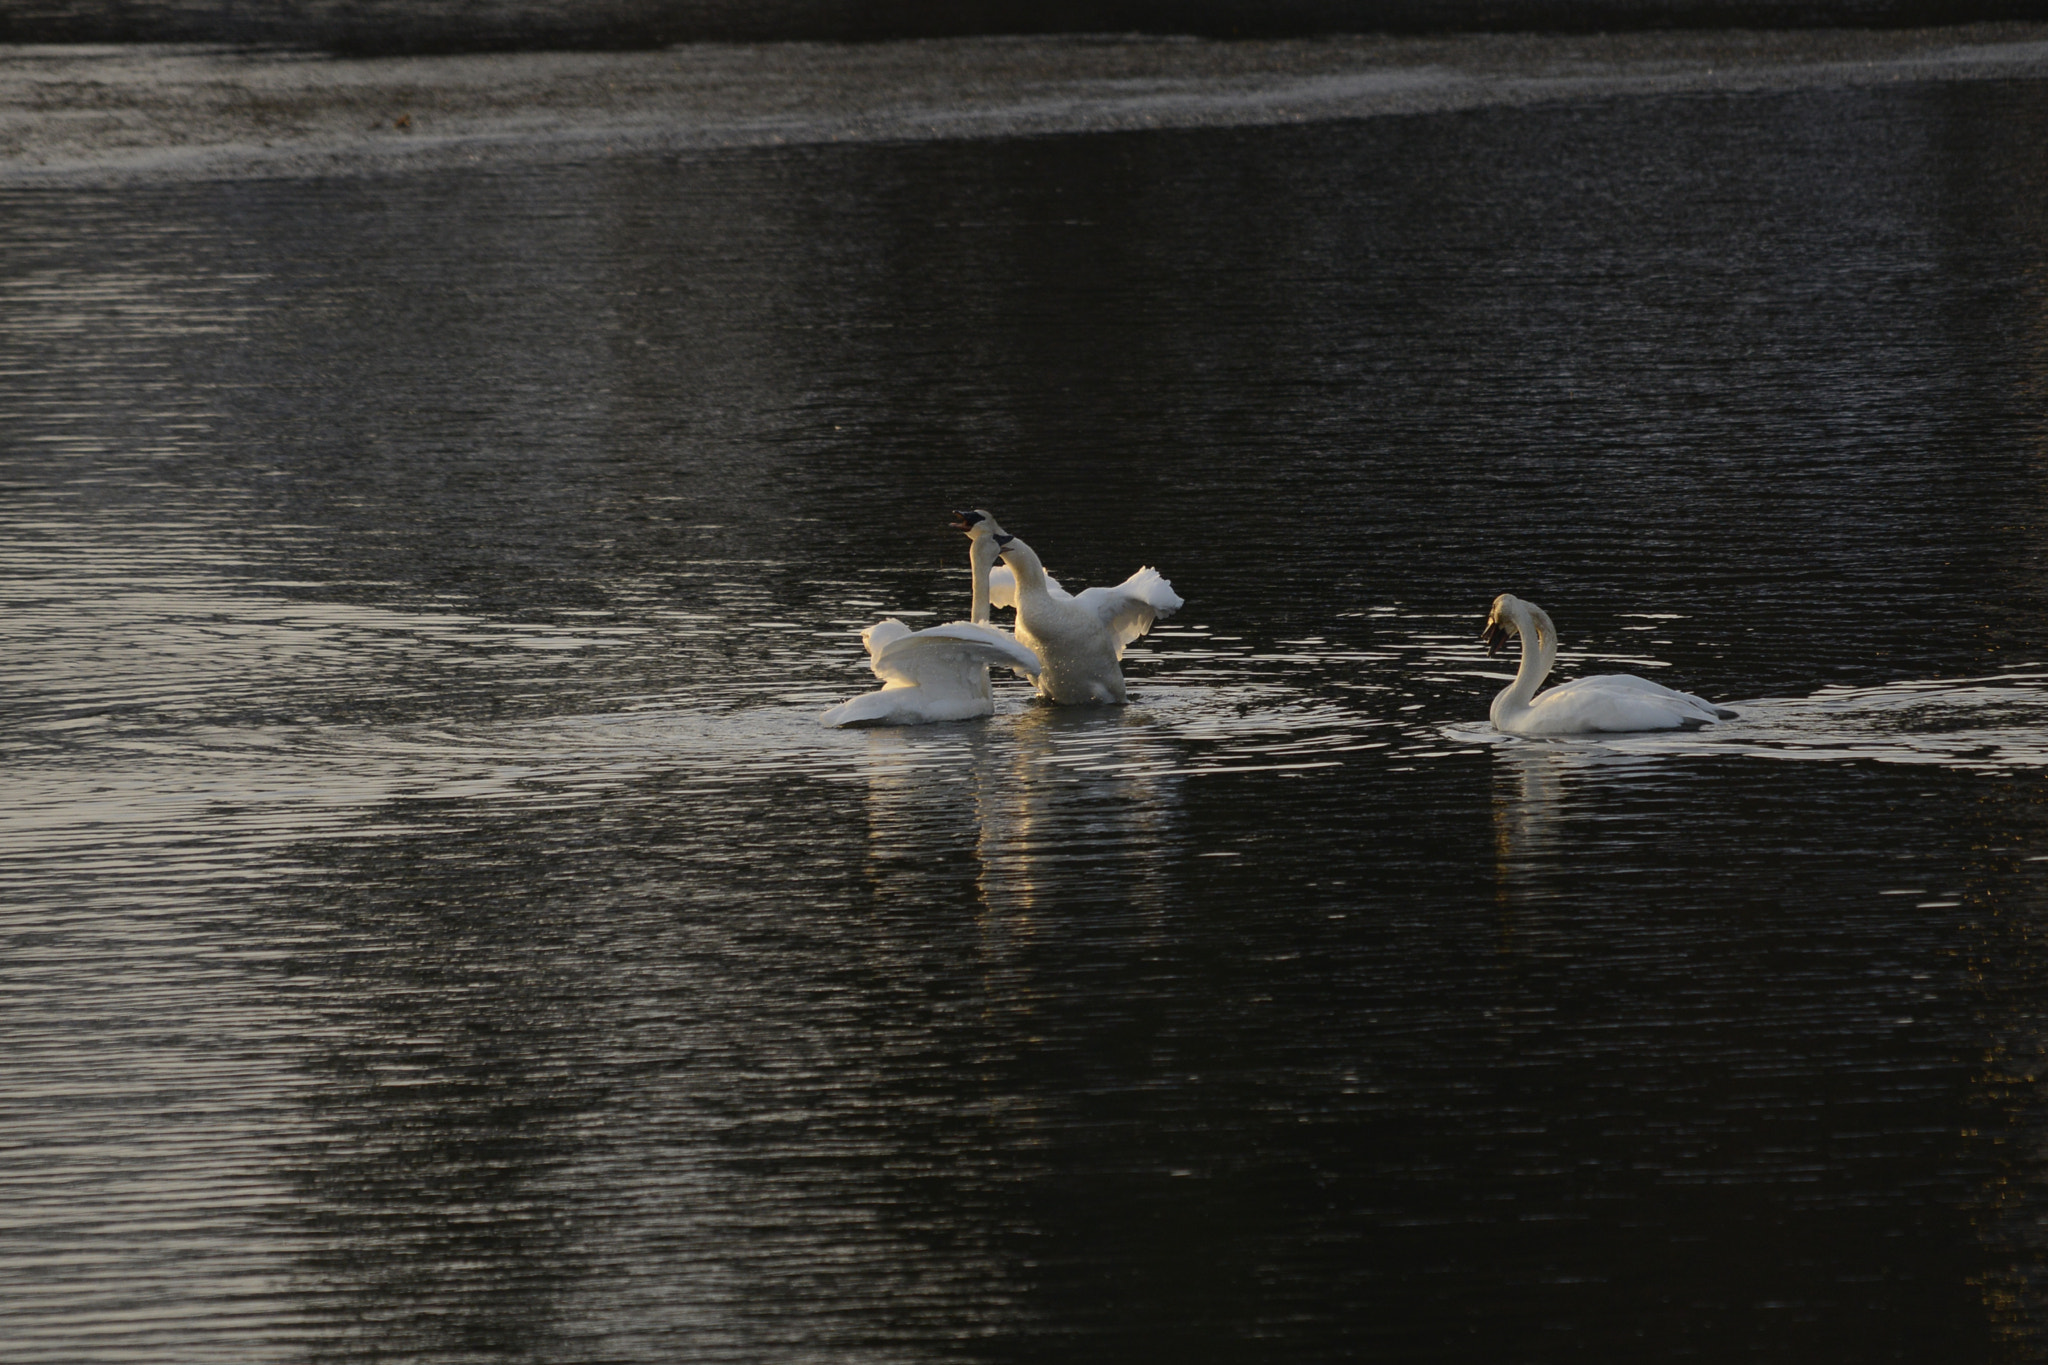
point(1130, 608)
point(1609, 703)
point(1079, 640)
point(936, 674)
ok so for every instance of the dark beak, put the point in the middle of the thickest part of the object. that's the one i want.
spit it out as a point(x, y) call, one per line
point(964, 522)
point(1494, 637)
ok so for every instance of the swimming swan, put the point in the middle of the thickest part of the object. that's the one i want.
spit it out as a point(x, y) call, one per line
point(1077, 640)
point(1609, 703)
point(939, 673)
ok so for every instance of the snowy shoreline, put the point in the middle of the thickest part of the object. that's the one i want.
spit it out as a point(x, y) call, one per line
point(79, 115)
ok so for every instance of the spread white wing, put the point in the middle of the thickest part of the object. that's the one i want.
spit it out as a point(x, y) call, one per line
point(939, 673)
point(933, 657)
point(1130, 608)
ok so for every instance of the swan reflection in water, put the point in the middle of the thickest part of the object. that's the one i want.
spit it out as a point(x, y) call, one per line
point(1528, 806)
point(1053, 809)
point(1563, 812)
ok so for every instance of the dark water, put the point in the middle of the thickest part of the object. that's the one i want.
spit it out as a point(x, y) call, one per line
point(437, 930)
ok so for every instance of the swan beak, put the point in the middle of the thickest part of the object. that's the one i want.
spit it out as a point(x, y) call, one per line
point(1494, 637)
point(964, 522)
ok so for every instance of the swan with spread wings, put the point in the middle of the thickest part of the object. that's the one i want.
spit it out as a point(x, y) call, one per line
point(1079, 640)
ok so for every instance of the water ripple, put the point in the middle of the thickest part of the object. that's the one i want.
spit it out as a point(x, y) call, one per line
point(1995, 725)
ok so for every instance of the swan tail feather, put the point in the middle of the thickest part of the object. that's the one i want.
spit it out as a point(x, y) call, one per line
point(870, 708)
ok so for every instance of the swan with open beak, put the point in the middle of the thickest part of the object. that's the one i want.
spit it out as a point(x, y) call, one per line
point(1079, 640)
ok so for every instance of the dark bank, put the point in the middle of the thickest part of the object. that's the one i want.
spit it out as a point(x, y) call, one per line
point(422, 26)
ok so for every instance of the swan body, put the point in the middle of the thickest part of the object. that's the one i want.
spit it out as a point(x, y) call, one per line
point(939, 673)
point(1078, 640)
point(1610, 703)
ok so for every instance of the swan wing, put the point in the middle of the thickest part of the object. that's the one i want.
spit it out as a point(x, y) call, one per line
point(878, 637)
point(940, 655)
point(1643, 688)
point(1619, 702)
point(935, 674)
point(1002, 587)
point(1129, 609)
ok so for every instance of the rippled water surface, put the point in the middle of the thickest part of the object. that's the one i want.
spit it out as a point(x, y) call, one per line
point(437, 929)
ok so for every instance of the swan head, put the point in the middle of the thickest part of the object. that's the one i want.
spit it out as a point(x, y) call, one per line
point(1511, 616)
point(983, 548)
point(1022, 559)
point(975, 523)
point(1502, 623)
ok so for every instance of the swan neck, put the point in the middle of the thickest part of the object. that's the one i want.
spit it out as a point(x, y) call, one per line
point(1023, 562)
point(1539, 654)
point(982, 554)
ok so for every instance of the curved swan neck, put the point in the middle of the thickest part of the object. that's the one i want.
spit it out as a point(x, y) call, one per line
point(982, 554)
point(1023, 562)
point(1539, 654)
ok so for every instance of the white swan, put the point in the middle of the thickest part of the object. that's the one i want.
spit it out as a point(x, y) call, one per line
point(994, 584)
point(1609, 703)
point(939, 673)
point(1077, 640)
